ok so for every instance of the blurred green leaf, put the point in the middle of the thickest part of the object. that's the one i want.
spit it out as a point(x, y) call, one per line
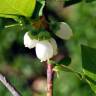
point(89, 0)
point(1, 24)
point(89, 65)
point(66, 61)
point(11, 8)
point(8, 35)
point(71, 2)
point(67, 69)
point(37, 9)
point(29, 66)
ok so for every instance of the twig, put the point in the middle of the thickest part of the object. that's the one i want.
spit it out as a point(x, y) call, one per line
point(49, 80)
point(8, 86)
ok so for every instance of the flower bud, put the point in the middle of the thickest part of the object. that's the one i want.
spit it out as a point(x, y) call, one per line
point(28, 42)
point(64, 32)
point(54, 45)
point(44, 50)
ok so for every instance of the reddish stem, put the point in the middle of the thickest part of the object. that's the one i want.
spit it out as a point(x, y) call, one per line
point(49, 80)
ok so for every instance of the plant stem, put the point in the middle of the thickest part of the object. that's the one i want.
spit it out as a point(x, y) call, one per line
point(12, 90)
point(49, 80)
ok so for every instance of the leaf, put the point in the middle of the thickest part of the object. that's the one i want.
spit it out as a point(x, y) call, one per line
point(37, 9)
point(89, 65)
point(89, 1)
point(9, 16)
point(67, 69)
point(71, 2)
point(11, 8)
point(65, 61)
point(1, 24)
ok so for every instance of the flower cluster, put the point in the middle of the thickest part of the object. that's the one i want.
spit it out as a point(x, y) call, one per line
point(46, 49)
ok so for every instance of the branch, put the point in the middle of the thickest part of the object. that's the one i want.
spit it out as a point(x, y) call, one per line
point(8, 86)
point(49, 80)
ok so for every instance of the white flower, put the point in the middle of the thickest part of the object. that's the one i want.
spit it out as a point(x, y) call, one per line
point(54, 45)
point(64, 32)
point(28, 42)
point(44, 50)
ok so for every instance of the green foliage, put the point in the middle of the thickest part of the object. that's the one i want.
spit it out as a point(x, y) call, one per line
point(59, 68)
point(15, 8)
point(38, 9)
point(69, 85)
point(89, 65)
point(89, 0)
point(66, 61)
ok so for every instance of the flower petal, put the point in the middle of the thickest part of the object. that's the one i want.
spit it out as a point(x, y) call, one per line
point(28, 42)
point(44, 50)
point(65, 31)
point(54, 45)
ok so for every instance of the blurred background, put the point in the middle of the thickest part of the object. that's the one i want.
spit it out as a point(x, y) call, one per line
point(28, 74)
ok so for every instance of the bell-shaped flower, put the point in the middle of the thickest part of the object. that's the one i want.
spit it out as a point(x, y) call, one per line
point(54, 45)
point(65, 32)
point(28, 42)
point(44, 50)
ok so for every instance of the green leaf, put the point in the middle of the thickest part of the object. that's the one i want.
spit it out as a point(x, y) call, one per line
point(37, 9)
point(89, 65)
point(67, 69)
point(11, 8)
point(66, 61)
point(1, 24)
point(71, 2)
point(89, 1)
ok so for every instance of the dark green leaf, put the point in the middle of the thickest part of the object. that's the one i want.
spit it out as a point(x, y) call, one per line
point(89, 65)
point(71, 2)
point(66, 61)
point(90, 0)
point(37, 9)
point(1, 24)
